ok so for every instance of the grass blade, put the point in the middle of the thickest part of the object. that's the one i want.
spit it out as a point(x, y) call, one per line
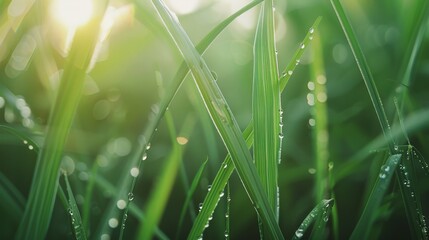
point(266, 105)
point(222, 118)
point(366, 73)
point(189, 195)
point(126, 186)
point(319, 121)
point(321, 209)
point(37, 215)
point(73, 210)
point(227, 167)
point(369, 214)
point(12, 200)
point(161, 192)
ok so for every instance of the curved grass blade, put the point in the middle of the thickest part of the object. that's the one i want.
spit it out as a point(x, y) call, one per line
point(32, 145)
point(369, 214)
point(222, 118)
point(162, 189)
point(365, 72)
point(412, 123)
point(37, 215)
point(227, 167)
point(266, 106)
point(321, 209)
point(73, 210)
point(189, 195)
point(126, 185)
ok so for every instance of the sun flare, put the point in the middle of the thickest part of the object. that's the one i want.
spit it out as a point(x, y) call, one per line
point(72, 13)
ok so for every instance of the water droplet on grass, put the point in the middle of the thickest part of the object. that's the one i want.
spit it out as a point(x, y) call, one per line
point(130, 196)
point(299, 233)
point(302, 46)
point(290, 72)
point(311, 30)
point(144, 156)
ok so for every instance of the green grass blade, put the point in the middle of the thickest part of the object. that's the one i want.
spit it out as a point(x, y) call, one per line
point(321, 209)
point(112, 191)
point(411, 195)
point(365, 72)
point(266, 105)
point(222, 118)
point(227, 167)
point(411, 53)
point(88, 196)
point(369, 214)
point(37, 215)
point(12, 202)
point(126, 186)
point(73, 210)
point(162, 189)
point(318, 105)
point(189, 195)
point(32, 145)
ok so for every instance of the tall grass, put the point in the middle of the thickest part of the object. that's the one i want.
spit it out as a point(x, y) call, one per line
point(128, 175)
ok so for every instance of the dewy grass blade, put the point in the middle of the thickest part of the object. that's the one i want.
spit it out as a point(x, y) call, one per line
point(189, 195)
point(162, 189)
point(222, 118)
point(127, 185)
point(37, 215)
point(366, 73)
point(266, 105)
point(319, 122)
point(227, 167)
point(369, 214)
point(320, 209)
point(73, 211)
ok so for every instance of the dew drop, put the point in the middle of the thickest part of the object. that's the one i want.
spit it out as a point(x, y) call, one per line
point(130, 196)
point(144, 156)
point(221, 194)
point(30, 147)
point(148, 146)
point(299, 233)
point(200, 206)
point(311, 30)
point(312, 171)
point(311, 37)
point(290, 72)
point(209, 188)
point(105, 237)
point(382, 175)
point(281, 136)
point(302, 46)
point(226, 234)
point(225, 166)
point(25, 142)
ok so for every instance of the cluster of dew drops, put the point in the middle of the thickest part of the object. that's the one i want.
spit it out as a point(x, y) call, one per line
point(201, 205)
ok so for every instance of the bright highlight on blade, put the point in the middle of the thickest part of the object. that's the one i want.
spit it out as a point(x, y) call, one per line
point(72, 13)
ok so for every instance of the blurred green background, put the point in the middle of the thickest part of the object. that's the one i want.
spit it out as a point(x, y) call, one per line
point(137, 60)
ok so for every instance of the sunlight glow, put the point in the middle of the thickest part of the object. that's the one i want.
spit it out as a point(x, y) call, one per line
point(183, 6)
point(72, 13)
